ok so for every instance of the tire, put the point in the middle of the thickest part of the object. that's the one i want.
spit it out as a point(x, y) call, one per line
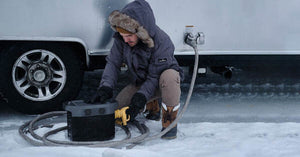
point(40, 76)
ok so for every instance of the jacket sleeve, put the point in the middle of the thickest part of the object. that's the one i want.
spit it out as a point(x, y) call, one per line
point(161, 60)
point(112, 67)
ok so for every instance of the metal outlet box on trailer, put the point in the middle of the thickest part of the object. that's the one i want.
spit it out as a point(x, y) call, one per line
point(45, 46)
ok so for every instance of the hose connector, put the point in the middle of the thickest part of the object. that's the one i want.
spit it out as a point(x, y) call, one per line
point(193, 39)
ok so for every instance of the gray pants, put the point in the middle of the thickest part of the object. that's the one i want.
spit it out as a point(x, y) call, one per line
point(169, 90)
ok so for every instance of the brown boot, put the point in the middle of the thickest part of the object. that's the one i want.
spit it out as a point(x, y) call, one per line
point(154, 110)
point(169, 115)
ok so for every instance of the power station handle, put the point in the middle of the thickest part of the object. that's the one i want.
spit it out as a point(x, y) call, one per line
point(121, 114)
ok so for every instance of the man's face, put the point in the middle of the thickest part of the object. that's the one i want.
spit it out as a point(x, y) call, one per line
point(130, 39)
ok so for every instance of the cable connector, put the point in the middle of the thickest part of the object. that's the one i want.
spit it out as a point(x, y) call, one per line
point(121, 116)
point(193, 40)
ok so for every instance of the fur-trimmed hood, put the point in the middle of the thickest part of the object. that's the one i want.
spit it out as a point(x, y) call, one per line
point(145, 64)
point(136, 17)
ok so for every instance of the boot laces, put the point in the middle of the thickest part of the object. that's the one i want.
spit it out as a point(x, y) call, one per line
point(168, 117)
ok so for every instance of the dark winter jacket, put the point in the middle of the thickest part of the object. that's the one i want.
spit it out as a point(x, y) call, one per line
point(146, 60)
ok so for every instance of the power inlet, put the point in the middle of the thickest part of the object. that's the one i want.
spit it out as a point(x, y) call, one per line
point(193, 39)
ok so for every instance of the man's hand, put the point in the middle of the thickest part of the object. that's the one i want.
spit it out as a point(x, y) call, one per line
point(138, 102)
point(102, 95)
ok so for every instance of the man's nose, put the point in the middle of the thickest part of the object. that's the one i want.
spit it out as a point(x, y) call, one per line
point(126, 40)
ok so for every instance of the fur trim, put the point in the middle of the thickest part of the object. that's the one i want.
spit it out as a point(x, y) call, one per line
point(117, 19)
point(121, 30)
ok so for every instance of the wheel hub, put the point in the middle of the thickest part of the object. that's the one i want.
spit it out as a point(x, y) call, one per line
point(39, 74)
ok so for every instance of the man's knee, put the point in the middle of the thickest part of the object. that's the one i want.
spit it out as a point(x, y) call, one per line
point(124, 97)
point(169, 84)
point(169, 77)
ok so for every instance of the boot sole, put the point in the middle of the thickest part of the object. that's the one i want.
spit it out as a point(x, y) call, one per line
point(169, 138)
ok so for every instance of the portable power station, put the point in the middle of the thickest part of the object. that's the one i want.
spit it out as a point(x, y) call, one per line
point(90, 122)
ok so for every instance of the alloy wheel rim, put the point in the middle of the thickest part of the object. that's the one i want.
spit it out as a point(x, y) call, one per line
point(39, 75)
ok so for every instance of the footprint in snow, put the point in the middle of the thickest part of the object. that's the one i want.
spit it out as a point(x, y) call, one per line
point(260, 135)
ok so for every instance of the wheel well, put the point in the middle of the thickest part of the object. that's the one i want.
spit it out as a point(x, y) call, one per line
point(77, 48)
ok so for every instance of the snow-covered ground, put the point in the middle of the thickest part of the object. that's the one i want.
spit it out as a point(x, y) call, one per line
point(194, 139)
point(227, 124)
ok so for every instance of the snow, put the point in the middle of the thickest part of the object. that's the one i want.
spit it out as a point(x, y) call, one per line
point(229, 125)
point(194, 139)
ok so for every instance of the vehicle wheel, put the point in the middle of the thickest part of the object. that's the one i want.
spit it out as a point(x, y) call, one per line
point(40, 77)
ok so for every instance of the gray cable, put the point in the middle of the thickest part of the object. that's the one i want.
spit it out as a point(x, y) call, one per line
point(49, 142)
point(22, 132)
point(179, 116)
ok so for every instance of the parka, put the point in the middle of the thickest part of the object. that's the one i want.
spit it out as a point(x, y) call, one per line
point(153, 54)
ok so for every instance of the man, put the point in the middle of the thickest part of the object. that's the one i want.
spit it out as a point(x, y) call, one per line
point(148, 53)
